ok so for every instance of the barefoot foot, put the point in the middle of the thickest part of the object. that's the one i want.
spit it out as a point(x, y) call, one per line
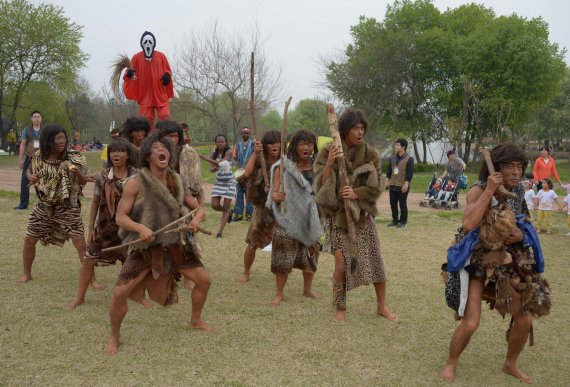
point(448, 373)
point(517, 373)
point(202, 326)
point(244, 278)
point(74, 304)
point(97, 285)
point(339, 316)
point(310, 294)
point(277, 301)
point(385, 312)
point(112, 346)
point(25, 278)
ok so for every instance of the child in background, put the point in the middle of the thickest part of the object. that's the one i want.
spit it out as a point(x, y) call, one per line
point(546, 200)
point(529, 196)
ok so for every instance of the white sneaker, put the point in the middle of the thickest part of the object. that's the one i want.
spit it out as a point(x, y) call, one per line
point(568, 234)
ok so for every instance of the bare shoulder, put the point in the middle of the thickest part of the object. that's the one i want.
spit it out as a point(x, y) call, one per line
point(474, 194)
point(132, 186)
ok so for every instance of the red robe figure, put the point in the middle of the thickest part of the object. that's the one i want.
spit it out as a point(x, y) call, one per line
point(149, 80)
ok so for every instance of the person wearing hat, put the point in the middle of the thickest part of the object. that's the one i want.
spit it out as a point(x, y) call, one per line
point(242, 152)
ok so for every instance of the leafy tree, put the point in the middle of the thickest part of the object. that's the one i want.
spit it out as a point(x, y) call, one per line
point(214, 67)
point(465, 74)
point(309, 114)
point(38, 44)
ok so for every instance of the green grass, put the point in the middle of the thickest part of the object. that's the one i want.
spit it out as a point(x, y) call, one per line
point(294, 344)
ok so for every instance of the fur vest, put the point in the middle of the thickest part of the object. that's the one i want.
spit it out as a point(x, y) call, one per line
point(301, 219)
point(155, 207)
point(364, 174)
point(255, 186)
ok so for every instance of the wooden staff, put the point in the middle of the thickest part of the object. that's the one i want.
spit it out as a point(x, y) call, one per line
point(155, 233)
point(254, 122)
point(491, 167)
point(282, 176)
point(343, 179)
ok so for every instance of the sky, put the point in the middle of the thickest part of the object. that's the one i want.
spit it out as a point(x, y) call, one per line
point(298, 33)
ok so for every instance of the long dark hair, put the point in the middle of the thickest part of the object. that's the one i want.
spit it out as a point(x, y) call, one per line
point(269, 138)
point(47, 139)
point(301, 135)
point(505, 152)
point(165, 127)
point(349, 119)
point(122, 145)
point(133, 124)
point(147, 144)
point(217, 151)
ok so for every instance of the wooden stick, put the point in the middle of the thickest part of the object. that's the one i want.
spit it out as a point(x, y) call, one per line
point(253, 121)
point(282, 176)
point(169, 225)
point(186, 228)
point(491, 167)
point(343, 180)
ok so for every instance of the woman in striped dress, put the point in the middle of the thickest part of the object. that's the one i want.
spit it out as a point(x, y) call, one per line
point(224, 190)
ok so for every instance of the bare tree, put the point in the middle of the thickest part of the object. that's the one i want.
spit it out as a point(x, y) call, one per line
point(213, 67)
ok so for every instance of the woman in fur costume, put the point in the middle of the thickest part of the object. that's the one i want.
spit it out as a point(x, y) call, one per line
point(103, 230)
point(363, 169)
point(502, 270)
point(58, 176)
point(260, 231)
point(295, 243)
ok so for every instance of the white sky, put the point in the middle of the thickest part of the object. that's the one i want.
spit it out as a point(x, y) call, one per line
point(298, 32)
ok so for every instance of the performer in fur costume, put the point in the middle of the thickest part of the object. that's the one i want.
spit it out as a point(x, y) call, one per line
point(157, 259)
point(262, 226)
point(185, 160)
point(103, 230)
point(502, 272)
point(296, 238)
point(363, 169)
point(148, 80)
point(58, 176)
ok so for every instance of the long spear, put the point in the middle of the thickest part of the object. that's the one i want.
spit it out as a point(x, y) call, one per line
point(283, 130)
point(254, 122)
point(343, 179)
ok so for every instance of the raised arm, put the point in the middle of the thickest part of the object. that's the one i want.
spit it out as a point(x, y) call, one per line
point(478, 201)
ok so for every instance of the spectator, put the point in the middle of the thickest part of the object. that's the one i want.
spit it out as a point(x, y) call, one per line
point(242, 152)
point(29, 144)
point(544, 168)
point(455, 166)
point(400, 173)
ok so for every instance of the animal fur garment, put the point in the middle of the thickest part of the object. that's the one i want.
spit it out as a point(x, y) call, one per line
point(156, 207)
point(255, 186)
point(301, 219)
point(496, 227)
point(363, 169)
point(189, 163)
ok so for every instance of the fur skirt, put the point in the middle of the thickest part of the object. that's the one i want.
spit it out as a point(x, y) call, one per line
point(288, 254)
point(512, 287)
point(261, 228)
point(370, 268)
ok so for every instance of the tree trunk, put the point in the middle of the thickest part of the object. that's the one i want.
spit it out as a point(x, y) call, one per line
point(416, 153)
point(464, 117)
point(424, 147)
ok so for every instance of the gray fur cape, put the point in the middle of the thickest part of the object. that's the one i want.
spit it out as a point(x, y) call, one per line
point(301, 219)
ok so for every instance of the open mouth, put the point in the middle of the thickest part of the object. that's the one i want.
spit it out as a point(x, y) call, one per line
point(162, 158)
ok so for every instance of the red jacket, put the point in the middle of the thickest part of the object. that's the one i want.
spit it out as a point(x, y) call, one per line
point(147, 89)
point(543, 170)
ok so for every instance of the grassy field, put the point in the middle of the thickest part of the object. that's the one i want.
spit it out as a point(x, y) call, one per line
point(256, 344)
